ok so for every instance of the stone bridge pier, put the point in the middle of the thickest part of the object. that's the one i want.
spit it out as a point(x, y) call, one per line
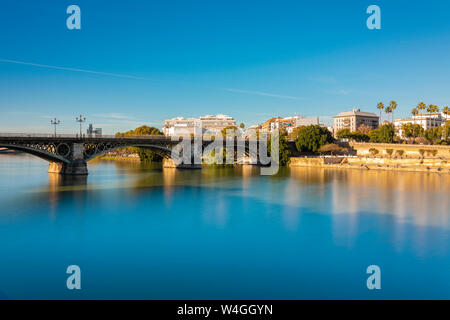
point(76, 166)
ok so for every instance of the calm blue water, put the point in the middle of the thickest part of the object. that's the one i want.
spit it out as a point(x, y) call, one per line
point(147, 233)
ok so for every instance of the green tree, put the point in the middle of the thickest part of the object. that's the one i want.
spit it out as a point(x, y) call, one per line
point(384, 134)
point(343, 133)
point(242, 125)
point(411, 130)
point(295, 132)
point(311, 138)
point(432, 134)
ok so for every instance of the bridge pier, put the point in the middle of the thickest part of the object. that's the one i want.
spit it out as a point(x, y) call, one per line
point(74, 168)
point(169, 163)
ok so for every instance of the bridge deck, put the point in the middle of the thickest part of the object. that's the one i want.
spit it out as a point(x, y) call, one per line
point(85, 139)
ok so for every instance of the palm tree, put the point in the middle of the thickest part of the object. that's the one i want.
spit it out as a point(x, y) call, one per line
point(421, 106)
point(414, 113)
point(388, 110)
point(380, 106)
point(446, 110)
point(392, 106)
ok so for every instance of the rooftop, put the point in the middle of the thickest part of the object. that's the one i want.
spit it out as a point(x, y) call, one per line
point(356, 112)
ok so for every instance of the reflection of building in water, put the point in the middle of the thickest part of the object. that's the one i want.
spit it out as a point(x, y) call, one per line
point(353, 196)
point(382, 192)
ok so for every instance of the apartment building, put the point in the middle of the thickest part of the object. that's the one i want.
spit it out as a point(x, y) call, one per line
point(354, 119)
point(180, 126)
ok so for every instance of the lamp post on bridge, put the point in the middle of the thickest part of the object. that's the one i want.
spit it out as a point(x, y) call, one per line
point(80, 120)
point(55, 123)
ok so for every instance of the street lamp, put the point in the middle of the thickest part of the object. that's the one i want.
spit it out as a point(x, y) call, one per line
point(55, 123)
point(80, 120)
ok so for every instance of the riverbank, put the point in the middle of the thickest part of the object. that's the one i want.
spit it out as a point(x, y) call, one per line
point(436, 165)
point(121, 158)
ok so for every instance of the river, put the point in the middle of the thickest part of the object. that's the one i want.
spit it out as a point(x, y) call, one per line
point(142, 232)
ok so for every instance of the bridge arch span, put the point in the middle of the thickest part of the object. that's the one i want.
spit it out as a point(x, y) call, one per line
point(41, 153)
point(163, 151)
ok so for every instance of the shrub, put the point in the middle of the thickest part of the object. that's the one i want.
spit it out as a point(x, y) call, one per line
point(390, 151)
point(373, 151)
point(332, 148)
point(421, 140)
point(400, 153)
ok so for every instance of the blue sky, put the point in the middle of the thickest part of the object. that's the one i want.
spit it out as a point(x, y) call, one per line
point(153, 60)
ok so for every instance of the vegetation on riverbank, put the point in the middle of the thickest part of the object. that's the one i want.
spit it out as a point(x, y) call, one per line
point(144, 154)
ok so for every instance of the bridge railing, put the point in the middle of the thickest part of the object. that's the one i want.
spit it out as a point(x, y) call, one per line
point(76, 136)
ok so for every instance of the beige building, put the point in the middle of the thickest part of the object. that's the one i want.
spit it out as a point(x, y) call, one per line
point(181, 126)
point(354, 119)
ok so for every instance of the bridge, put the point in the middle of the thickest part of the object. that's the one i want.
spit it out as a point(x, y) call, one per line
point(69, 154)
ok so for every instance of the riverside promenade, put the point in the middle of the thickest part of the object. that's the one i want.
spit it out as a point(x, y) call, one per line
point(380, 156)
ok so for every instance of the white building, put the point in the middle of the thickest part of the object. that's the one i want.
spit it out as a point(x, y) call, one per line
point(426, 121)
point(180, 126)
point(288, 123)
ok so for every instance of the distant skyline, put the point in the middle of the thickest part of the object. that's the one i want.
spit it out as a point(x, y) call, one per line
point(140, 62)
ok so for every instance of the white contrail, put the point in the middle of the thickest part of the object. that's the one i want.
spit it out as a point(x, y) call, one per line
point(259, 93)
point(73, 69)
point(39, 65)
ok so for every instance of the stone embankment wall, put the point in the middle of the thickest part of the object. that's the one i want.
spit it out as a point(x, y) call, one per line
point(404, 151)
point(439, 165)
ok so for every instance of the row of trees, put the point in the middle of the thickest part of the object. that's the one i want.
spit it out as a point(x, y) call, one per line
point(383, 134)
point(421, 107)
point(388, 109)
